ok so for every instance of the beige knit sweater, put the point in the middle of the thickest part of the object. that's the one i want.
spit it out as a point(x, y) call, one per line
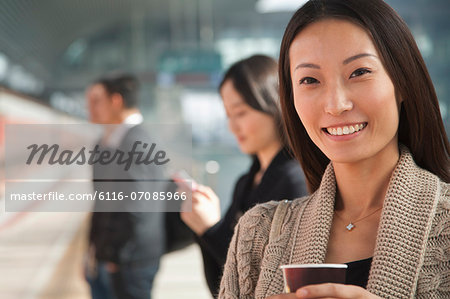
point(412, 252)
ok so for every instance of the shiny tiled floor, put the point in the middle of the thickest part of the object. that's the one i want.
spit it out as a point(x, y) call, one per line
point(41, 256)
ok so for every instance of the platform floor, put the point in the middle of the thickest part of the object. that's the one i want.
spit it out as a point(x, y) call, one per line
point(41, 257)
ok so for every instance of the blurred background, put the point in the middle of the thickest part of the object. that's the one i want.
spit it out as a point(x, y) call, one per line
point(50, 50)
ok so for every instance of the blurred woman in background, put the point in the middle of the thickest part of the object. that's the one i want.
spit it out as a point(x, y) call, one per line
point(249, 91)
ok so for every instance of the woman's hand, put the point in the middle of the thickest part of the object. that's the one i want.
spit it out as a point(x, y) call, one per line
point(327, 291)
point(205, 210)
point(284, 296)
point(334, 290)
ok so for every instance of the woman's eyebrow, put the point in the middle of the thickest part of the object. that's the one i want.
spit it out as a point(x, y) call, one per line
point(357, 56)
point(307, 65)
point(346, 61)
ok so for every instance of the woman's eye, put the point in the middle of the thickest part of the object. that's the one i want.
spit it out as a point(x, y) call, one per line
point(237, 114)
point(308, 80)
point(360, 72)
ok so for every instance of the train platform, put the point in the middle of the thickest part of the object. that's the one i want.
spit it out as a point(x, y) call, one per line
point(41, 257)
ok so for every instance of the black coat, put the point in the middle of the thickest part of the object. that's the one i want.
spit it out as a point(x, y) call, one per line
point(283, 179)
point(127, 237)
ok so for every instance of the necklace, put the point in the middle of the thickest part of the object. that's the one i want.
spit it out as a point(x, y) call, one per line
point(351, 225)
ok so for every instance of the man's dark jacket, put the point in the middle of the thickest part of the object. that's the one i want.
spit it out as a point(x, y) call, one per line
point(128, 236)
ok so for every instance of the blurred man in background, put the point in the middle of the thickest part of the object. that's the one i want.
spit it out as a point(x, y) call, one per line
point(125, 247)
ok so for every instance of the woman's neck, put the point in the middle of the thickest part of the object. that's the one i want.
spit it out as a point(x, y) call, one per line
point(362, 186)
point(266, 155)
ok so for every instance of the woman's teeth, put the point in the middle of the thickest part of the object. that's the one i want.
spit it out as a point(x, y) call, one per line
point(346, 130)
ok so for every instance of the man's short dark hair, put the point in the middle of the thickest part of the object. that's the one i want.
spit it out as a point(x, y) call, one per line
point(126, 85)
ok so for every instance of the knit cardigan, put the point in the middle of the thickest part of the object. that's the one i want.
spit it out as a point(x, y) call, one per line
point(412, 252)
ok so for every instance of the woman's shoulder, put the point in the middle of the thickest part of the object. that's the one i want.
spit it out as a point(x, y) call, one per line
point(435, 270)
point(287, 180)
point(443, 204)
point(292, 173)
point(269, 208)
point(445, 191)
point(287, 167)
point(262, 214)
point(445, 187)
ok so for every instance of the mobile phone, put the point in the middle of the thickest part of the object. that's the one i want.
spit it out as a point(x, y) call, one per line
point(184, 180)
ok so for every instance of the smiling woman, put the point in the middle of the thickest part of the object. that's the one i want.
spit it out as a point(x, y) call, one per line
point(363, 119)
point(338, 89)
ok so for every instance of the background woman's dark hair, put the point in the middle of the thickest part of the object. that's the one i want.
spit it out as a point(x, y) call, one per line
point(126, 85)
point(256, 80)
point(421, 128)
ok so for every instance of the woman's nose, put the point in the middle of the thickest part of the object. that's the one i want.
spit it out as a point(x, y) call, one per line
point(337, 100)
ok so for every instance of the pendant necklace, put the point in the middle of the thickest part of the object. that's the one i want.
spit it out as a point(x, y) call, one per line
point(351, 225)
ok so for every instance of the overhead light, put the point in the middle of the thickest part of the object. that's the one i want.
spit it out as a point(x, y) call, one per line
point(266, 6)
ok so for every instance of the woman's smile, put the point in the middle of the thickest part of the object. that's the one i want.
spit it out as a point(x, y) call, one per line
point(344, 132)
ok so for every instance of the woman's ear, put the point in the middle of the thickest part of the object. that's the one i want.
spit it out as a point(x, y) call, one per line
point(399, 100)
point(399, 103)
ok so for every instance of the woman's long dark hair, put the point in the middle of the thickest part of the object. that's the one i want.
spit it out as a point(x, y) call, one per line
point(256, 80)
point(421, 127)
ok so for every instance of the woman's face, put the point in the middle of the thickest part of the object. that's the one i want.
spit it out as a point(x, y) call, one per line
point(254, 130)
point(342, 93)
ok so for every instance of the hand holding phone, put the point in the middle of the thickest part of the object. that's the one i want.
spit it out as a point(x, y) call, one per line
point(204, 210)
point(184, 180)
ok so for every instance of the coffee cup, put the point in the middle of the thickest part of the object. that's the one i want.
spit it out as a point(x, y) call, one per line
point(297, 276)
